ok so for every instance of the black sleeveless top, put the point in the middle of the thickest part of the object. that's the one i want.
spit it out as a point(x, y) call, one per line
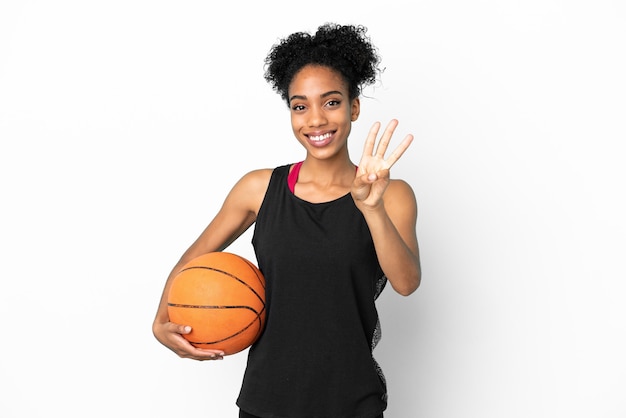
point(314, 358)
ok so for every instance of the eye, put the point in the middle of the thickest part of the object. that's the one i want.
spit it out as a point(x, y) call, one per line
point(297, 107)
point(333, 103)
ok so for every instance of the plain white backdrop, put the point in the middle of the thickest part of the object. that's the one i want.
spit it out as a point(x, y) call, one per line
point(123, 124)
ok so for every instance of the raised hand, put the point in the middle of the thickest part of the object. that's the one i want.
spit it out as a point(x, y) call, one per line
point(372, 176)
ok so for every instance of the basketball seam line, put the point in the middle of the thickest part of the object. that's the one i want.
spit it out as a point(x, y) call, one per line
point(227, 274)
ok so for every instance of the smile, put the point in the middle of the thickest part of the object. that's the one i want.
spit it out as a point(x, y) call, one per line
point(319, 138)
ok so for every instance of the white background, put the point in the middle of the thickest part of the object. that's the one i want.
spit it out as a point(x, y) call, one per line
point(123, 124)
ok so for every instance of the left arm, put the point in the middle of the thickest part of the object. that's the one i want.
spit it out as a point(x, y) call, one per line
point(390, 210)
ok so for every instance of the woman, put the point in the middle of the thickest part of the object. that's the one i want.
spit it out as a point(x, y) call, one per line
point(328, 236)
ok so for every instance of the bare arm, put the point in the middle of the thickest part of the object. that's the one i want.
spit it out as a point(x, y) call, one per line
point(236, 215)
point(390, 210)
point(393, 229)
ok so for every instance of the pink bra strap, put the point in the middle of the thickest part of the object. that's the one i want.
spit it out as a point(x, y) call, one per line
point(292, 179)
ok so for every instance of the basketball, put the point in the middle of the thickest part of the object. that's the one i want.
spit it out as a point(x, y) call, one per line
point(222, 297)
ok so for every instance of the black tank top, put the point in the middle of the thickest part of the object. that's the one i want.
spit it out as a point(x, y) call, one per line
point(314, 358)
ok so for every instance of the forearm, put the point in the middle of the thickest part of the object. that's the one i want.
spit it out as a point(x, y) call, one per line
point(398, 258)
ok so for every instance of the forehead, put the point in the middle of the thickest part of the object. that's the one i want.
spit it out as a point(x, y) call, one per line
point(316, 78)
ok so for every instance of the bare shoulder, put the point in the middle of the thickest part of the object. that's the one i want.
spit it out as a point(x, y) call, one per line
point(400, 198)
point(237, 213)
point(250, 190)
point(260, 177)
point(399, 189)
point(255, 182)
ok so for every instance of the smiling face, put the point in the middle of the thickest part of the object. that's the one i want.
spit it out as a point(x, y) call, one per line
point(321, 111)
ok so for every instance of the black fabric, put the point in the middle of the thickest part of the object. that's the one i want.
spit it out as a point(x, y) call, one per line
point(314, 358)
point(244, 414)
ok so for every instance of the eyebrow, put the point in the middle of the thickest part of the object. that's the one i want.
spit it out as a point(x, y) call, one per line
point(328, 93)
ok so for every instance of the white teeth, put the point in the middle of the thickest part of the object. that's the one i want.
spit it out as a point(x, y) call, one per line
point(319, 138)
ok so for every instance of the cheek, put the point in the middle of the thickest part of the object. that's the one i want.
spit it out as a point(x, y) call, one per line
point(296, 122)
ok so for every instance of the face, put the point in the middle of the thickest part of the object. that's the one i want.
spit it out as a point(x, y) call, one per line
point(321, 111)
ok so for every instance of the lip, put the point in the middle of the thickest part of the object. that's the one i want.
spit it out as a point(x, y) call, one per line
point(326, 138)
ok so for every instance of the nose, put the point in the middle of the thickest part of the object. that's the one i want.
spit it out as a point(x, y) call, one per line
point(317, 117)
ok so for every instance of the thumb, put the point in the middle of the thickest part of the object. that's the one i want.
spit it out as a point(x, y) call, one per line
point(361, 186)
point(183, 329)
point(369, 178)
point(364, 180)
point(382, 174)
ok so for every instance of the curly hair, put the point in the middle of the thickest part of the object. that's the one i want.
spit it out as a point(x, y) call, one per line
point(343, 48)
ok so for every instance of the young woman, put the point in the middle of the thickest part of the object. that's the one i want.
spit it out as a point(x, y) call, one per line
point(328, 235)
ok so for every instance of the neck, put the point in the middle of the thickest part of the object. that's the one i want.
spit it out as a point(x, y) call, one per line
point(336, 171)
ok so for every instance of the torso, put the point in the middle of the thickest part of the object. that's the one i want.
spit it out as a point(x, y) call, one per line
point(315, 356)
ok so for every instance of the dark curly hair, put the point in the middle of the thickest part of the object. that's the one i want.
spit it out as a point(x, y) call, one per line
point(343, 48)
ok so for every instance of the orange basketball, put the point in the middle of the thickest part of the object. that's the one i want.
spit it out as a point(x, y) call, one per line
point(222, 297)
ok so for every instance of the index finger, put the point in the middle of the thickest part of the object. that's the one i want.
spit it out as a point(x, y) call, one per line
point(371, 139)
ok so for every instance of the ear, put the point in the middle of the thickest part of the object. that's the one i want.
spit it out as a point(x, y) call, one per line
point(355, 109)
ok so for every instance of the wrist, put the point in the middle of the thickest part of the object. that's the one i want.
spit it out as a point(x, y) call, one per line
point(372, 211)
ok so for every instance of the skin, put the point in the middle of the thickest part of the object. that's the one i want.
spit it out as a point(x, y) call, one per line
point(321, 117)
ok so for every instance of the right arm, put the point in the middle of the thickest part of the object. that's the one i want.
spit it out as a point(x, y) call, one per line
point(237, 214)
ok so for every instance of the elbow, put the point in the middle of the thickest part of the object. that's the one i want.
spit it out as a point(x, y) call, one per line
point(408, 290)
point(407, 286)
point(405, 278)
